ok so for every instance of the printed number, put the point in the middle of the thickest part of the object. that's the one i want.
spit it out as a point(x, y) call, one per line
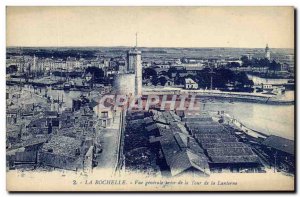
point(74, 182)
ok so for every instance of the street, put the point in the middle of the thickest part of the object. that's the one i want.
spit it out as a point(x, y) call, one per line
point(109, 138)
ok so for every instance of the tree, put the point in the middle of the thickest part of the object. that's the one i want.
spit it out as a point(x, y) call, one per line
point(255, 63)
point(264, 62)
point(178, 80)
point(162, 81)
point(12, 69)
point(172, 70)
point(154, 80)
point(164, 73)
point(242, 78)
point(149, 72)
point(246, 61)
point(233, 65)
point(97, 73)
point(222, 76)
point(243, 82)
point(274, 66)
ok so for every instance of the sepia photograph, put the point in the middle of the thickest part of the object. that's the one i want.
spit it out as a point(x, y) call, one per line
point(150, 99)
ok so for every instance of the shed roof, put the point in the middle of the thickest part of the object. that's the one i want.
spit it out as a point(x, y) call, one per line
point(279, 143)
point(236, 159)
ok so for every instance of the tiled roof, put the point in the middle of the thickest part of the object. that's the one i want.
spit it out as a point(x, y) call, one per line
point(62, 145)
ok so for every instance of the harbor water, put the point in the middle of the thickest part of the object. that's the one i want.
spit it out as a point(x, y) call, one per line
point(268, 119)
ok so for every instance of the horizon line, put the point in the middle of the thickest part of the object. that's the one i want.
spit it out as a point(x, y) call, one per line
point(141, 47)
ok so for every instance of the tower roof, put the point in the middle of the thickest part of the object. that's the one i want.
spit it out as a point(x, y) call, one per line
point(134, 51)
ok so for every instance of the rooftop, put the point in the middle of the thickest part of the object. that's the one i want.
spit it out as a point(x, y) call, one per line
point(189, 81)
point(279, 143)
point(62, 145)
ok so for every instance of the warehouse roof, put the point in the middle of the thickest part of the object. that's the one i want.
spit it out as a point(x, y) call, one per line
point(279, 143)
point(229, 151)
point(182, 152)
point(236, 159)
point(185, 160)
point(224, 144)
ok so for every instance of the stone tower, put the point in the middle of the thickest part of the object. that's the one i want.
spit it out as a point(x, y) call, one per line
point(134, 65)
point(267, 53)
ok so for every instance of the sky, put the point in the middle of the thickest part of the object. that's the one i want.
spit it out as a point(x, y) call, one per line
point(242, 27)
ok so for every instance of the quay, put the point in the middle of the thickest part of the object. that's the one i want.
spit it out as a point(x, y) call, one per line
point(220, 95)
